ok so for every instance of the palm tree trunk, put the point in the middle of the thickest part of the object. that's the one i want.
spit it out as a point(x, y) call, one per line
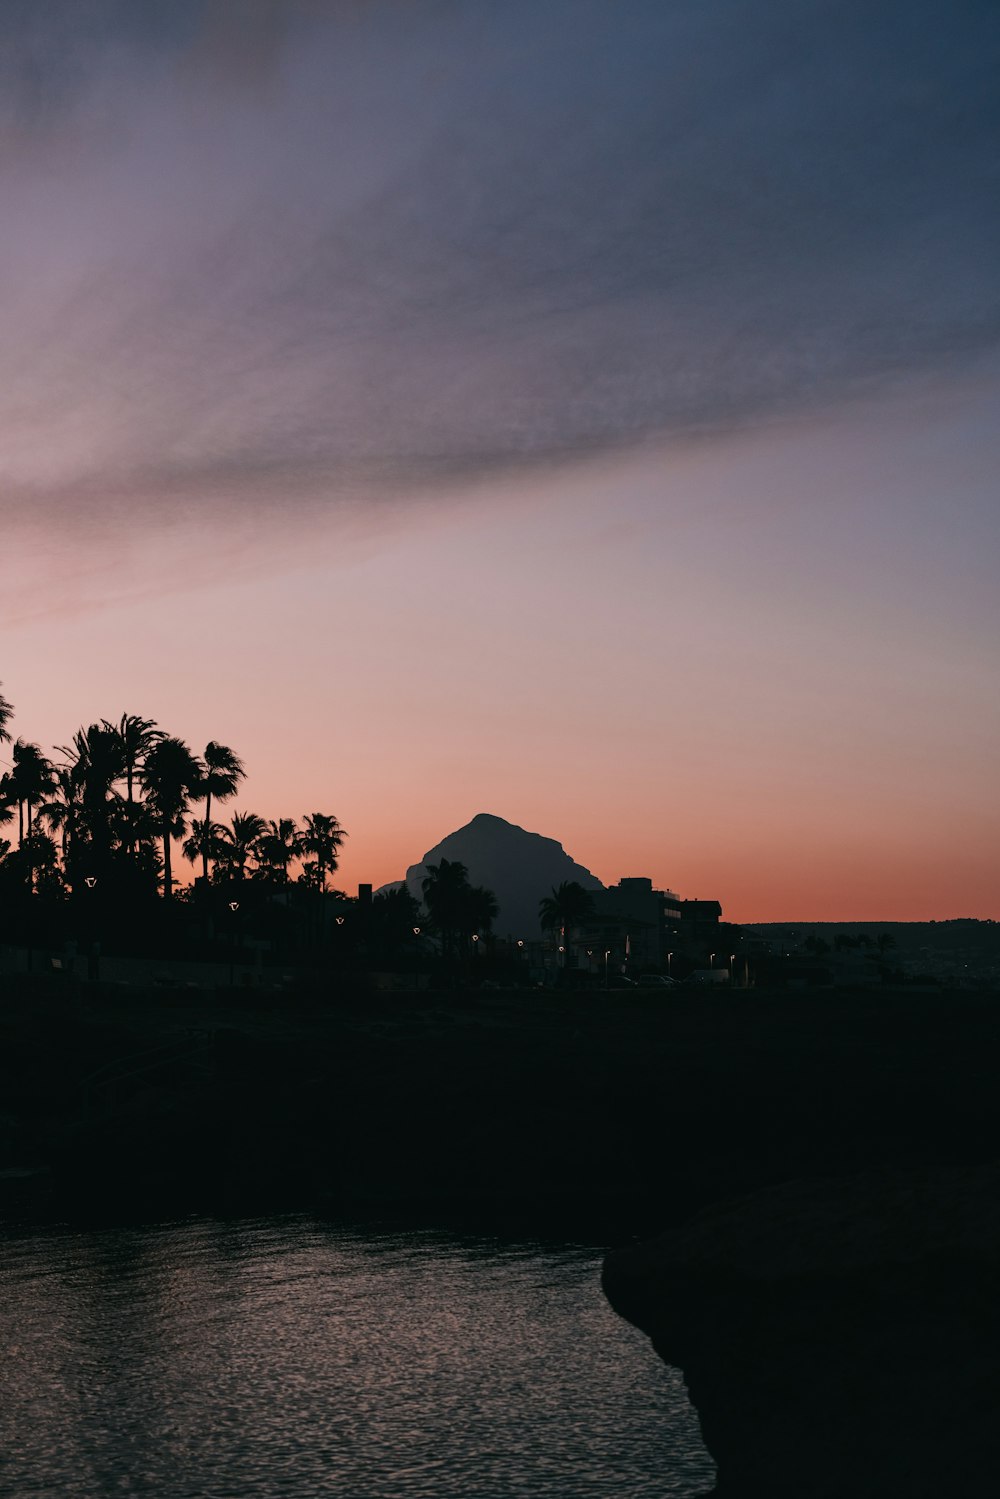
point(167, 880)
point(204, 841)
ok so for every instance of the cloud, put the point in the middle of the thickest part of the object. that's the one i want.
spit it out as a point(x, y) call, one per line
point(295, 250)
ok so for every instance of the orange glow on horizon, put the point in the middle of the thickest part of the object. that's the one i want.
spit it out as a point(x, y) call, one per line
point(669, 662)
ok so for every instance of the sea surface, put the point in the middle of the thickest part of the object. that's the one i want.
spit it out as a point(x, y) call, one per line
point(286, 1357)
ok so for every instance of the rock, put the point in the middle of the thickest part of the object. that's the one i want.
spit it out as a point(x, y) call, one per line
point(519, 867)
point(840, 1339)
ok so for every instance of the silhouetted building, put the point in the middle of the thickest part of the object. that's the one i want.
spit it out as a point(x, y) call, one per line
point(627, 920)
point(646, 929)
point(700, 921)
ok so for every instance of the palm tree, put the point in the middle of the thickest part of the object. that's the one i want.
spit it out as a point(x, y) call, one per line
point(207, 840)
point(40, 852)
point(169, 775)
point(567, 907)
point(8, 799)
point(223, 773)
point(6, 714)
point(238, 842)
point(445, 888)
point(6, 815)
point(63, 812)
point(322, 836)
point(97, 760)
point(29, 782)
point(479, 910)
point(276, 848)
point(137, 738)
point(395, 913)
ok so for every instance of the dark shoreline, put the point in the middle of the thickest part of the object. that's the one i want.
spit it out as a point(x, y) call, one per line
point(617, 1114)
point(820, 1166)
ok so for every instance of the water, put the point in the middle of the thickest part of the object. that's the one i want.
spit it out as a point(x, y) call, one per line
point(211, 1360)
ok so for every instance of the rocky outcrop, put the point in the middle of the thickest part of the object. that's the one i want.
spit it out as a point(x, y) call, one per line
point(518, 866)
point(838, 1338)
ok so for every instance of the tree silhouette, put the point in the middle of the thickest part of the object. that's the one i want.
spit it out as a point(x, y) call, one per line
point(136, 737)
point(276, 848)
point(321, 836)
point(223, 773)
point(40, 852)
point(29, 782)
point(63, 812)
point(394, 915)
point(96, 762)
point(566, 908)
point(445, 887)
point(457, 910)
point(478, 909)
point(238, 842)
point(206, 840)
point(114, 808)
point(8, 799)
point(170, 772)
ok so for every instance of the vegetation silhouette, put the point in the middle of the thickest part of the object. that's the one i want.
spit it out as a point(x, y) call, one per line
point(221, 776)
point(460, 913)
point(563, 911)
point(98, 824)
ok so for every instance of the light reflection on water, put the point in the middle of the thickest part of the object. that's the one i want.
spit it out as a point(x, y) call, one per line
point(211, 1360)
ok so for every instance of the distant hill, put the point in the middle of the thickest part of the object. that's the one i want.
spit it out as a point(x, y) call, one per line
point(518, 866)
point(956, 948)
point(954, 932)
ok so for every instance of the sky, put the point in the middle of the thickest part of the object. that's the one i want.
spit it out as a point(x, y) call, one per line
point(582, 412)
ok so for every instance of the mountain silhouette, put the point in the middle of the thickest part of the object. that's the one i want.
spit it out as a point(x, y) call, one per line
point(518, 866)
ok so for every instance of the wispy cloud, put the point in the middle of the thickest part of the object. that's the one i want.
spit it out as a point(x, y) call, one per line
point(292, 249)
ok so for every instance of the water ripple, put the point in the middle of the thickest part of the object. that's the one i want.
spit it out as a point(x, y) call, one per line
point(264, 1358)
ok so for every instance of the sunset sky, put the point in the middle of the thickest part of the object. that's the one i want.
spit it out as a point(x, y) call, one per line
point(584, 411)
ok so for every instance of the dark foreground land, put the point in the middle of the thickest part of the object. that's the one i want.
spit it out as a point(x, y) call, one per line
point(617, 1111)
point(821, 1167)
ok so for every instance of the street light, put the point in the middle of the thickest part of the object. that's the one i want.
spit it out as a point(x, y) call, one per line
point(416, 962)
point(732, 969)
point(711, 961)
point(669, 960)
point(234, 906)
point(94, 955)
point(607, 954)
